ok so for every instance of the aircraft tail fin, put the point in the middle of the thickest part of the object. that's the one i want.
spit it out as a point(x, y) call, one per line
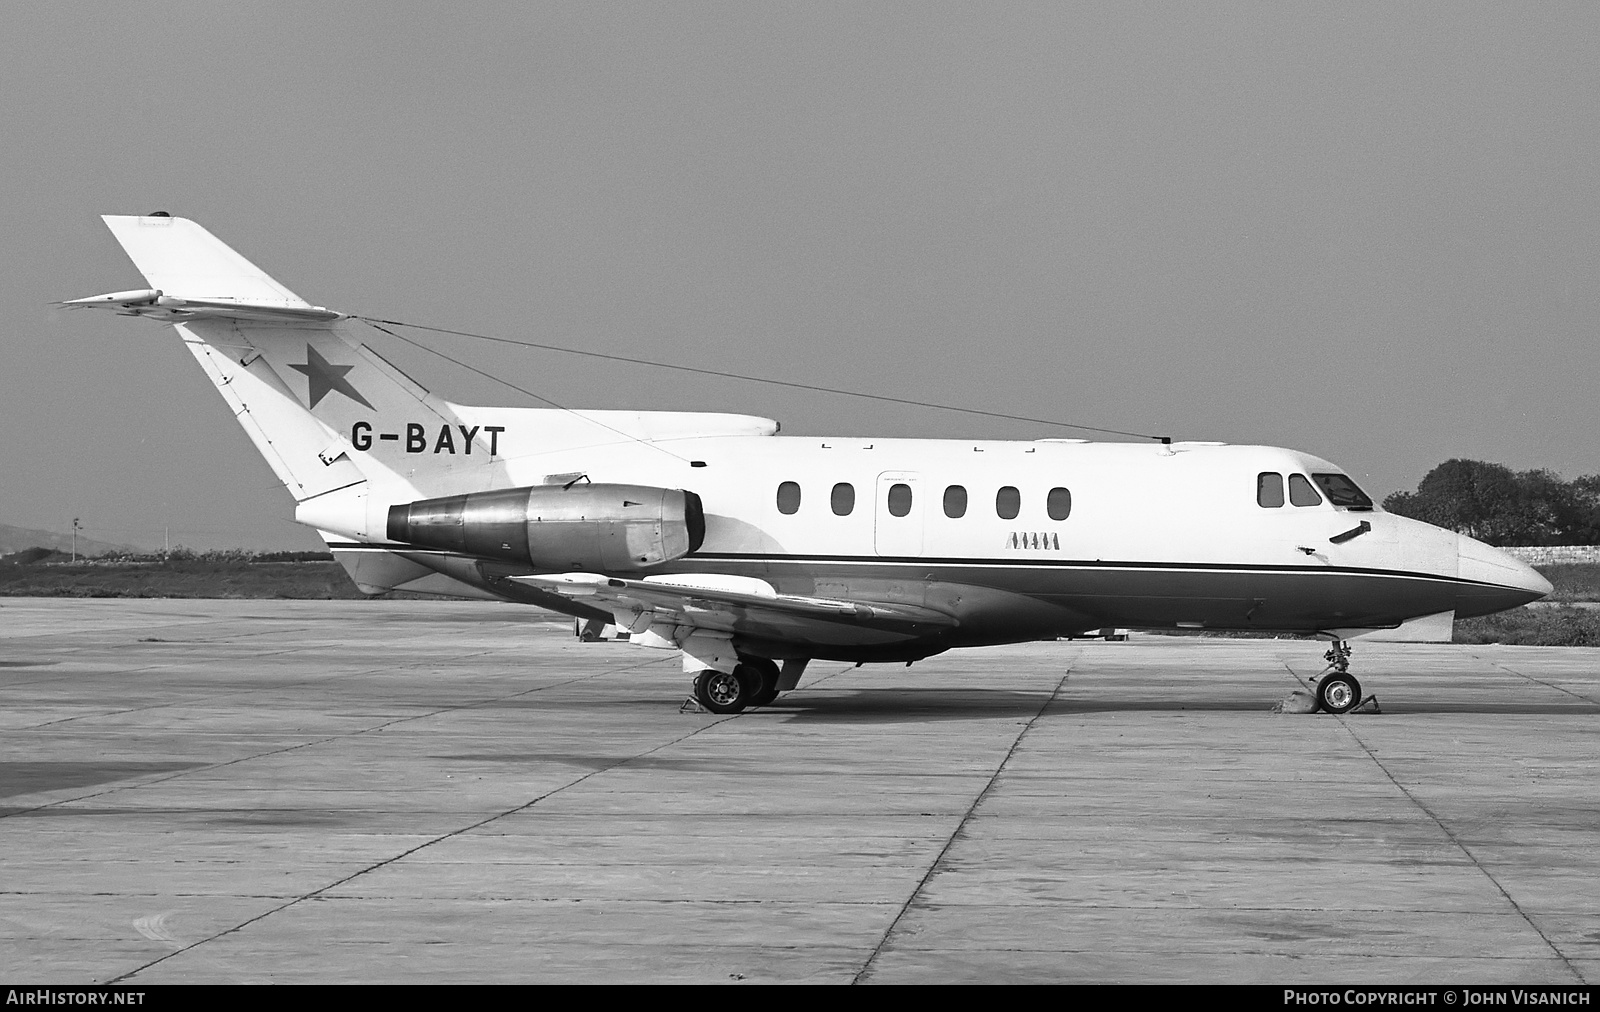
point(346, 431)
point(314, 402)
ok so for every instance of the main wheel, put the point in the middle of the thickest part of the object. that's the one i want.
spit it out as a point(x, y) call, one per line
point(1338, 693)
point(767, 672)
point(721, 692)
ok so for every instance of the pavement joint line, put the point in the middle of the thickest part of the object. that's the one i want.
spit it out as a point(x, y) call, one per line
point(656, 901)
point(1279, 953)
point(318, 741)
point(848, 667)
point(1461, 846)
point(313, 894)
point(50, 676)
point(1306, 684)
point(277, 687)
point(955, 834)
point(157, 706)
point(229, 638)
point(1540, 681)
point(569, 900)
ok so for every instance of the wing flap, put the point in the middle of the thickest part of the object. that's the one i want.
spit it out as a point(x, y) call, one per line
point(736, 605)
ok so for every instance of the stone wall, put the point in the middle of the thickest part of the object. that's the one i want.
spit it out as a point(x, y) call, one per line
point(1547, 555)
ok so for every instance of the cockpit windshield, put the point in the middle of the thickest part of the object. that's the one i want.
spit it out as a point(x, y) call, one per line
point(1342, 491)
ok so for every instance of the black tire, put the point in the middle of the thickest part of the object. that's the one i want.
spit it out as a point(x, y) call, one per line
point(766, 671)
point(1338, 693)
point(721, 692)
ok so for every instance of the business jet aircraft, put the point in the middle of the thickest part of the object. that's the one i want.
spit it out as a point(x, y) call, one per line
point(710, 534)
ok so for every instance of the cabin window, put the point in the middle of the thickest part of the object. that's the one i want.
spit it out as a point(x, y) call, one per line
point(1343, 492)
point(1269, 489)
point(1058, 503)
point(1301, 493)
point(843, 499)
point(899, 499)
point(1008, 502)
point(955, 502)
point(789, 497)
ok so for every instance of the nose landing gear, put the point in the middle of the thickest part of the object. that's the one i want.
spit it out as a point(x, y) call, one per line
point(1337, 689)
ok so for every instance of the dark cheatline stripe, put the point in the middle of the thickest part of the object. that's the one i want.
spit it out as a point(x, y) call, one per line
point(1023, 564)
point(1048, 564)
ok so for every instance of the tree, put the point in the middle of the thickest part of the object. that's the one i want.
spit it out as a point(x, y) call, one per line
point(1586, 491)
point(1492, 503)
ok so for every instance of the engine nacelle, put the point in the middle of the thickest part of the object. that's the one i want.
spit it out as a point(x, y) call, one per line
point(589, 528)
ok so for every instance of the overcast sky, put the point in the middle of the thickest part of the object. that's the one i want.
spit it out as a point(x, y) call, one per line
point(1365, 231)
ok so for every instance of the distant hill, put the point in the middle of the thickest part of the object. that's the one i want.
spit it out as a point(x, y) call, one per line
point(216, 577)
point(34, 557)
point(15, 539)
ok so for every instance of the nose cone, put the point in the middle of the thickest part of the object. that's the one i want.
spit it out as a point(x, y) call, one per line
point(1498, 581)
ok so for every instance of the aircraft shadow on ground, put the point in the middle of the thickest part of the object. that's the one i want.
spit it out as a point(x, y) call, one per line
point(914, 705)
point(911, 705)
point(1572, 709)
point(1387, 708)
point(593, 763)
point(231, 818)
point(903, 705)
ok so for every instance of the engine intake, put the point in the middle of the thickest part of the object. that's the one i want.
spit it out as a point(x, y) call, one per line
point(591, 528)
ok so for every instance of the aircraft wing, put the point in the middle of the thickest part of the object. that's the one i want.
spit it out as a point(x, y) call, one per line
point(744, 606)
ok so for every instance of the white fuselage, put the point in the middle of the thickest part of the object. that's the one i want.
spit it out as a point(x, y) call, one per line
point(1154, 536)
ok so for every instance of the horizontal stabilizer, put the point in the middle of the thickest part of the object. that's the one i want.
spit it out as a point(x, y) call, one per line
point(155, 305)
point(183, 260)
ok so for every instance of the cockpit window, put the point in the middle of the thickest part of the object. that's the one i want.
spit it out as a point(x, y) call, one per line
point(1301, 493)
point(1269, 489)
point(1343, 492)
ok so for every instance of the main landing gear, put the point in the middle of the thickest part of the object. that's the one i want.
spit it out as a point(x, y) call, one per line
point(754, 682)
point(1337, 689)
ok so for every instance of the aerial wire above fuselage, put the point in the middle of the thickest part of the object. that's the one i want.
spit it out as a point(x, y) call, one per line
point(722, 374)
point(507, 383)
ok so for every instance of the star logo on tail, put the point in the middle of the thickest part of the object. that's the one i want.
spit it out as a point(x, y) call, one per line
point(325, 376)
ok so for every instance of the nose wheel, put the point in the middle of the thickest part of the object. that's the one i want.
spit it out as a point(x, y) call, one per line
point(1338, 693)
point(1337, 689)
